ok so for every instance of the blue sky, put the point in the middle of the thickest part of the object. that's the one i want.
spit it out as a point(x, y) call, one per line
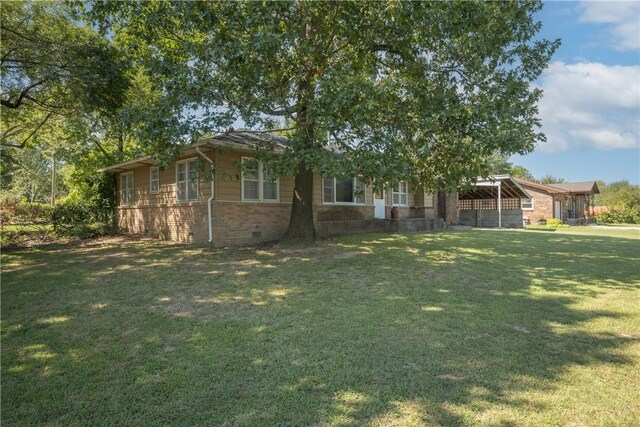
point(591, 107)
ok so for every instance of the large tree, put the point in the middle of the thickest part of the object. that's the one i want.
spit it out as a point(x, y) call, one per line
point(52, 69)
point(420, 90)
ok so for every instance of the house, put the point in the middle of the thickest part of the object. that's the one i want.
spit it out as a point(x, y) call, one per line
point(243, 205)
point(493, 202)
point(568, 201)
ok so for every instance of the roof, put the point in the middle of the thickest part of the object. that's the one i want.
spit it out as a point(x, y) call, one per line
point(241, 139)
point(248, 139)
point(586, 187)
point(547, 188)
point(487, 188)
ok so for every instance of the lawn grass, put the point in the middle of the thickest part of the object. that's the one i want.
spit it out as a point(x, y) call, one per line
point(457, 328)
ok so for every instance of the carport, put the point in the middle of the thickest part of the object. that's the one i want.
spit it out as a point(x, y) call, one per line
point(493, 202)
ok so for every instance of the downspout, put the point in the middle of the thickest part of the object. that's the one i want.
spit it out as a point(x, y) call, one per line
point(499, 204)
point(210, 199)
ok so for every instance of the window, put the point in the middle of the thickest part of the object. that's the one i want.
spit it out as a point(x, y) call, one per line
point(186, 181)
point(527, 204)
point(126, 188)
point(154, 180)
point(327, 190)
point(400, 194)
point(343, 191)
point(258, 182)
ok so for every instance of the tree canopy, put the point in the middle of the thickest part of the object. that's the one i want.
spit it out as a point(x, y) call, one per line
point(419, 90)
point(51, 69)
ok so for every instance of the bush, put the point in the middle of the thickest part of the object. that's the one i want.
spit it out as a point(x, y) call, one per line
point(555, 223)
point(619, 215)
point(34, 212)
point(19, 211)
point(81, 219)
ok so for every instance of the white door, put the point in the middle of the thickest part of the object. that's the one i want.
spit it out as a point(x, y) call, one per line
point(378, 203)
point(557, 212)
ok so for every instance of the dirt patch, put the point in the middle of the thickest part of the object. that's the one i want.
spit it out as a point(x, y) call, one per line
point(449, 377)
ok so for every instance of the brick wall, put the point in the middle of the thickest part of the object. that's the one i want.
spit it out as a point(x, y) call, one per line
point(452, 209)
point(182, 223)
point(249, 223)
point(542, 206)
point(342, 213)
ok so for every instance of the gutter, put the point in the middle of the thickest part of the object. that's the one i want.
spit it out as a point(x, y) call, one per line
point(209, 213)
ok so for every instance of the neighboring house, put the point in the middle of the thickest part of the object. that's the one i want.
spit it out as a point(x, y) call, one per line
point(493, 202)
point(569, 201)
point(250, 205)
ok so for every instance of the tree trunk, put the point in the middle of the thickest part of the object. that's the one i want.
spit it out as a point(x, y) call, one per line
point(301, 225)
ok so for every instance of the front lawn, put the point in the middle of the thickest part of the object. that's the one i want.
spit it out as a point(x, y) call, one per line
point(458, 328)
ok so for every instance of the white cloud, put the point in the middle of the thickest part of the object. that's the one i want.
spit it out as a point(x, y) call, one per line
point(590, 105)
point(623, 18)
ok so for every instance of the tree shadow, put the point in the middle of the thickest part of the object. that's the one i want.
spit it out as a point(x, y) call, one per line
point(380, 329)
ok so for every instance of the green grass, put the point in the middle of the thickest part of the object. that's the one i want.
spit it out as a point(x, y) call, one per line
point(458, 328)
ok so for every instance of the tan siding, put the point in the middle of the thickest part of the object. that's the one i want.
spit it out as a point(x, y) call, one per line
point(167, 190)
point(228, 186)
point(286, 189)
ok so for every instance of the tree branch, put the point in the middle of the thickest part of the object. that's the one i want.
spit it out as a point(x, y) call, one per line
point(24, 141)
point(7, 103)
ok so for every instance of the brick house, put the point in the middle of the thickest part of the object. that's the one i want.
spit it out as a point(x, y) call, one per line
point(568, 201)
point(243, 205)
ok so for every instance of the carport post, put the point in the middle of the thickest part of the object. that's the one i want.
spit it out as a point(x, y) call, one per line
point(499, 205)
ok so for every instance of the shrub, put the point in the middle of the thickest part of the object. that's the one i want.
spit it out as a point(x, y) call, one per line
point(619, 215)
point(81, 219)
point(33, 212)
point(19, 211)
point(555, 223)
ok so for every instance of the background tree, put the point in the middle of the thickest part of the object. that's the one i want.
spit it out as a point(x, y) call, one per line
point(550, 179)
point(419, 90)
point(52, 68)
point(499, 164)
point(621, 194)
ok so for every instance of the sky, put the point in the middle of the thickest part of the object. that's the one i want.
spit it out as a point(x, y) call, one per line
point(590, 109)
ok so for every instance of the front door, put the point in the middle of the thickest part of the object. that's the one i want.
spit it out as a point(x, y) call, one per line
point(378, 203)
point(557, 211)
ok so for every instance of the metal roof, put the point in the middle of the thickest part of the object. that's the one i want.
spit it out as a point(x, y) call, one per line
point(585, 187)
point(488, 189)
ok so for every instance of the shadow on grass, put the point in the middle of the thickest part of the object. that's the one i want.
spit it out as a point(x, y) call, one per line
point(380, 329)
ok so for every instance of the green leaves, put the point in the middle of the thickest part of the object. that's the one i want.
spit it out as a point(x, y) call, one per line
point(425, 90)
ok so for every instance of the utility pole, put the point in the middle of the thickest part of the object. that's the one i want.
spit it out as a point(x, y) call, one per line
point(53, 181)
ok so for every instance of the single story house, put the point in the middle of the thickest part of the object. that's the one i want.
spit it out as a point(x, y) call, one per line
point(245, 205)
point(567, 201)
point(493, 202)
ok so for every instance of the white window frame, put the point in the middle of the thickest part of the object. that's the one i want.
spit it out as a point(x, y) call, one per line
point(261, 182)
point(400, 193)
point(127, 185)
point(151, 180)
point(355, 186)
point(522, 202)
point(187, 173)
